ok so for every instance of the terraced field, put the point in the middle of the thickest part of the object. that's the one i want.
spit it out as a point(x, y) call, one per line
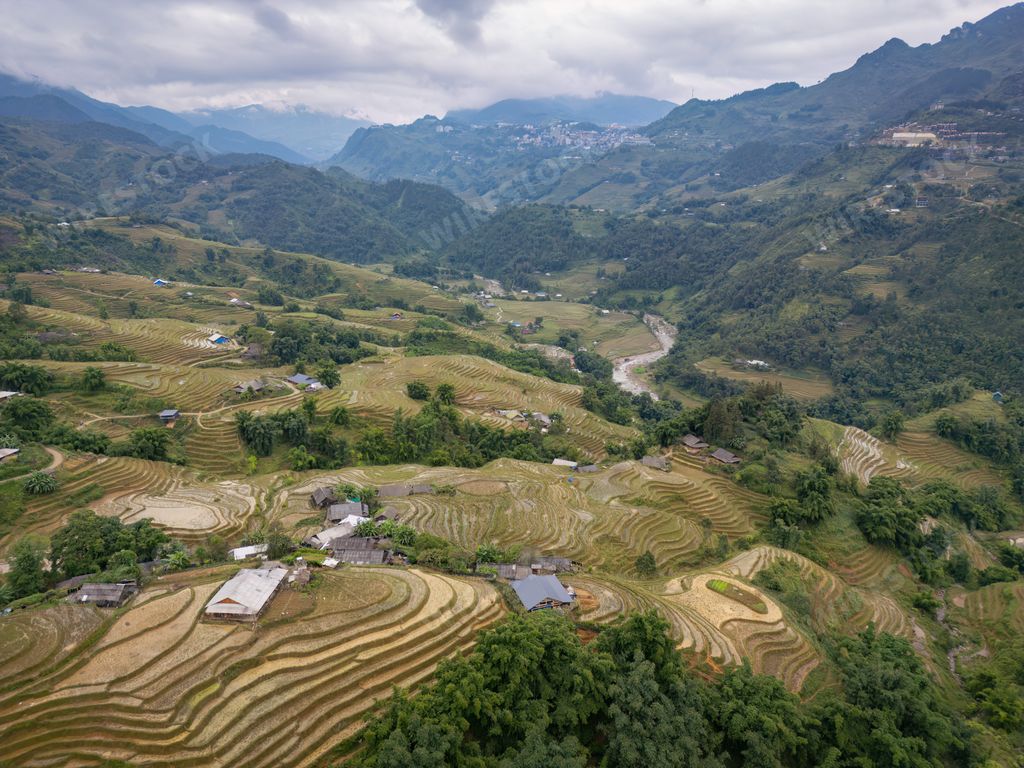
point(809, 386)
point(163, 687)
point(377, 389)
point(724, 631)
point(176, 499)
point(916, 457)
point(605, 520)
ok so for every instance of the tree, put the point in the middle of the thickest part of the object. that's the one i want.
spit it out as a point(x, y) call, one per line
point(123, 565)
point(328, 375)
point(148, 443)
point(278, 544)
point(179, 561)
point(217, 548)
point(93, 379)
point(39, 482)
point(418, 390)
point(340, 416)
point(814, 491)
point(309, 409)
point(892, 424)
point(646, 565)
point(445, 394)
point(27, 576)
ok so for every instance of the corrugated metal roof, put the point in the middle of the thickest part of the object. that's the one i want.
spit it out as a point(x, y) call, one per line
point(533, 590)
point(247, 592)
point(361, 556)
point(337, 512)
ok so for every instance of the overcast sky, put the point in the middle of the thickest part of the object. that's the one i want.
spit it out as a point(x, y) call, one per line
point(394, 60)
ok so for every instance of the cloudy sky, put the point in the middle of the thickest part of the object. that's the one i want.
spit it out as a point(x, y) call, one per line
point(394, 60)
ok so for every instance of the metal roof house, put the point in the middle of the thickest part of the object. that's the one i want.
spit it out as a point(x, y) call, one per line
point(510, 571)
point(8, 453)
point(362, 556)
point(539, 592)
point(255, 385)
point(105, 595)
point(302, 380)
point(218, 338)
point(169, 415)
point(565, 463)
point(246, 595)
point(336, 513)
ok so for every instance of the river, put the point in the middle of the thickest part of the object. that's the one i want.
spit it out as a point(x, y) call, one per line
point(623, 373)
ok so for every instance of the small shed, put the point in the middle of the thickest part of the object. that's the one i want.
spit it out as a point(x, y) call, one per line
point(656, 462)
point(160, 283)
point(539, 592)
point(590, 468)
point(541, 418)
point(346, 510)
point(552, 564)
point(724, 456)
point(353, 542)
point(388, 513)
point(105, 595)
point(9, 454)
point(243, 553)
point(169, 415)
point(218, 338)
point(322, 497)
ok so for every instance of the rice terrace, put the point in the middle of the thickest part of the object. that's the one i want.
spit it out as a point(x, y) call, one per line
point(579, 431)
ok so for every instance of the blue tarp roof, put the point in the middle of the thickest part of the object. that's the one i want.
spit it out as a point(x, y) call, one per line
point(534, 589)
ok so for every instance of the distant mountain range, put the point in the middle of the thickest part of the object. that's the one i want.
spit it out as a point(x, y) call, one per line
point(603, 109)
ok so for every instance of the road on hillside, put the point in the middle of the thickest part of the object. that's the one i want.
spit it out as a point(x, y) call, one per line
point(623, 372)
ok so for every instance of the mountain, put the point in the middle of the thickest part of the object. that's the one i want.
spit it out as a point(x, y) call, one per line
point(603, 109)
point(312, 134)
point(37, 100)
point(882, 86)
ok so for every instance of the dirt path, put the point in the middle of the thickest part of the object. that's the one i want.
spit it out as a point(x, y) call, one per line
point(56, 459)
point(623, 373)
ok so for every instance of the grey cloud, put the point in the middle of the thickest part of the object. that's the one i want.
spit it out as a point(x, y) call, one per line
point(393, 59)
point(460, 18)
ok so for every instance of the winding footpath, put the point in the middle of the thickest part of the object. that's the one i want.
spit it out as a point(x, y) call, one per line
point(624, 374)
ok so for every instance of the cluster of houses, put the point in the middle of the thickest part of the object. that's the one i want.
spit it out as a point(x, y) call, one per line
point(525, 418)
point(696, 446)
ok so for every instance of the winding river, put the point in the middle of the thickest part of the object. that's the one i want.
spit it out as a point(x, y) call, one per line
point(624, 374)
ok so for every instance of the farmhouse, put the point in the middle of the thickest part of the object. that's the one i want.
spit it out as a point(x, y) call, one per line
point(303, 381)
point(389, 513)
point(160, 283)
point(169, 415)
point(255, 386)
point(692, 443)
point(7, 395)
point(218, 338)
point(246, 595)
point(404, 489)
point(348, 510)
point(240, 303)
point(242, 553)
point(724, 456)
point(362, 556)
point(323, 539)
point(539, 592)
point(541, 418)
point(565, 463)
point(105, 595)
point(8, 454)
point(590, 468)
point(656, 462)
point(322, 497)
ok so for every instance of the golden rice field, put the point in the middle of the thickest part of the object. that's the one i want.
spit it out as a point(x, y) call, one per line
point(604, 520)
point(808, 386)
point(161, 686)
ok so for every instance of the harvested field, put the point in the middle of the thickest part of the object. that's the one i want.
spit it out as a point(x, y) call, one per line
point(132, 489)
point(163, 687)
point(803, 386)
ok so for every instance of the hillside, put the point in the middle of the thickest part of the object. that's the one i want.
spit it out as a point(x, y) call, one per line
point(603, 109)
